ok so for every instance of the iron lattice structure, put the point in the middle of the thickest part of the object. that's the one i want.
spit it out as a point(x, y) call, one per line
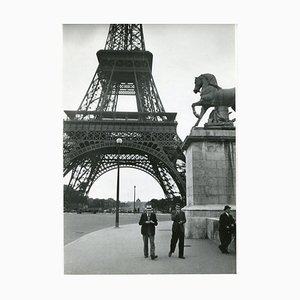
point(150, 141)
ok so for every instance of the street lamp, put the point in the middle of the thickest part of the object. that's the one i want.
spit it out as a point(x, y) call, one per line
point(119, 142)
point(134, 199)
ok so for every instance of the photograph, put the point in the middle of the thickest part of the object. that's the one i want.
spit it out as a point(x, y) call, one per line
point(149, 148)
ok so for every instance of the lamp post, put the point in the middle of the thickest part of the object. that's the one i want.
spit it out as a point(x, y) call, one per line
point(119, 142)
point(134, 200)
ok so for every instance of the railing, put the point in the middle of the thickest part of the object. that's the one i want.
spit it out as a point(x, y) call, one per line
point(120, 116)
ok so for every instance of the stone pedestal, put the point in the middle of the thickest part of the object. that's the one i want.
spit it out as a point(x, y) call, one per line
point(210, 177)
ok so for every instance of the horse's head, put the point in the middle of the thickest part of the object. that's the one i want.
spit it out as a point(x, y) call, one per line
point(204, 80)
point(198, 84)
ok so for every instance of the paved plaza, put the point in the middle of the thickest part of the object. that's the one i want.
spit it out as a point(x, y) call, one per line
point(120, 251)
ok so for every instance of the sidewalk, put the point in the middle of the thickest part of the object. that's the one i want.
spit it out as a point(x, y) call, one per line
point(120, 251)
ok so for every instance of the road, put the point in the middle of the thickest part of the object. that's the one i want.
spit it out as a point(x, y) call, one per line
point(77, 225)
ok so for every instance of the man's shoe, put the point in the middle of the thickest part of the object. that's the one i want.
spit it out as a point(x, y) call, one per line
point(221, 249)
point(182, 257)
point(170, 254)
point(145, 256)
point(153, 256)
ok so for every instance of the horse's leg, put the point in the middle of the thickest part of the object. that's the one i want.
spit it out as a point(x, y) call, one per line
point(196, 124)
point(203, 111)
point(198, 103)
point(193, 107)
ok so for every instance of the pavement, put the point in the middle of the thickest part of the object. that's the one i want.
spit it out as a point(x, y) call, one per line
point(120, 251)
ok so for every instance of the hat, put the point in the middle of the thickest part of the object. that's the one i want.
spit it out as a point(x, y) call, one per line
point(227, 206)
point(148, 207)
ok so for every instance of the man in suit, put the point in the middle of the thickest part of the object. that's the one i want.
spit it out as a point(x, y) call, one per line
point(178, 218)
point(148, 221)
point(226, 229)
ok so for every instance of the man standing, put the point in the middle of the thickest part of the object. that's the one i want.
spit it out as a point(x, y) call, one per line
point(148, 221)
point(178, 218)
point(226, 229)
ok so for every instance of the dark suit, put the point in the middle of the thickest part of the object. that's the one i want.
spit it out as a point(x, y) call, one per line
point(148, 232)
point(226, 229)
point(178, 219)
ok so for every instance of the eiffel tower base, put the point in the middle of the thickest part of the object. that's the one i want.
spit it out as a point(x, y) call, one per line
point(210, 179)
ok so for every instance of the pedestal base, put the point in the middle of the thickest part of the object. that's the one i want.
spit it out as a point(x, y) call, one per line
point(202, 220)
point(210, 178)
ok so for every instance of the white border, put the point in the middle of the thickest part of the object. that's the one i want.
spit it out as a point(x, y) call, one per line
point(32, 156)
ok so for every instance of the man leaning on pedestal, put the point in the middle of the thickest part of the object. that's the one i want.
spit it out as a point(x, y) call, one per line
point(226, 229)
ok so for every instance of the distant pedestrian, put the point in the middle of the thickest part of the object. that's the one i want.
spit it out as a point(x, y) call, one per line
point(226, 229)
point(178, 218)
point(148, 221)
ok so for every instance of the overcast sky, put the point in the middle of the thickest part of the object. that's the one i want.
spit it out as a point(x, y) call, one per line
point(180, 53)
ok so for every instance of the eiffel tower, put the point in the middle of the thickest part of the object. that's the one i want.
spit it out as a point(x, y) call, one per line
point(149, 139)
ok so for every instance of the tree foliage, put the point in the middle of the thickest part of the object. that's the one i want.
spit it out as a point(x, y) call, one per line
point(76, 200)
point(165, 205)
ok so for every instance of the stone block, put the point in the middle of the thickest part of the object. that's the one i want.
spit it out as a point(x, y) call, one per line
point(221, 164)
point(196, 199)
point(215, 156)
point(211, 190)
point(189, 190)
point(195, 228)
point(214, 173)
point(198, 155)
point(223, 199)
point(212, 228)
point(199, 171)
point(210, 164)
point(212, 181)
point(211, 199)
point(213, 147)
point(222, 181)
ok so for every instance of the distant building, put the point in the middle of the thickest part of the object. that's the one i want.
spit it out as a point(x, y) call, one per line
point(139, 206)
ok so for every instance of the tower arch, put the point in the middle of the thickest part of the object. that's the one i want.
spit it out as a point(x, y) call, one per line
point(150, 140)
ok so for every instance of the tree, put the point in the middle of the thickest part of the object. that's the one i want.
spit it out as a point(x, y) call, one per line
point(74, 199)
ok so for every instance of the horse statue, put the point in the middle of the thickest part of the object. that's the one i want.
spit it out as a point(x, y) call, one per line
point(212, 95)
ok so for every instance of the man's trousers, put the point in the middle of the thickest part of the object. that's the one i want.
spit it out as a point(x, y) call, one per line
point(177, 235)
point(225, 238)
point(147, 237)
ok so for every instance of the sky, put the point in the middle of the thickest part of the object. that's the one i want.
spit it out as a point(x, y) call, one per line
point(180, 53)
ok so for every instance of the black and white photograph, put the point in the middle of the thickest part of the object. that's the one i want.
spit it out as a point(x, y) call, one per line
point(131, 151)
point(149, 149)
